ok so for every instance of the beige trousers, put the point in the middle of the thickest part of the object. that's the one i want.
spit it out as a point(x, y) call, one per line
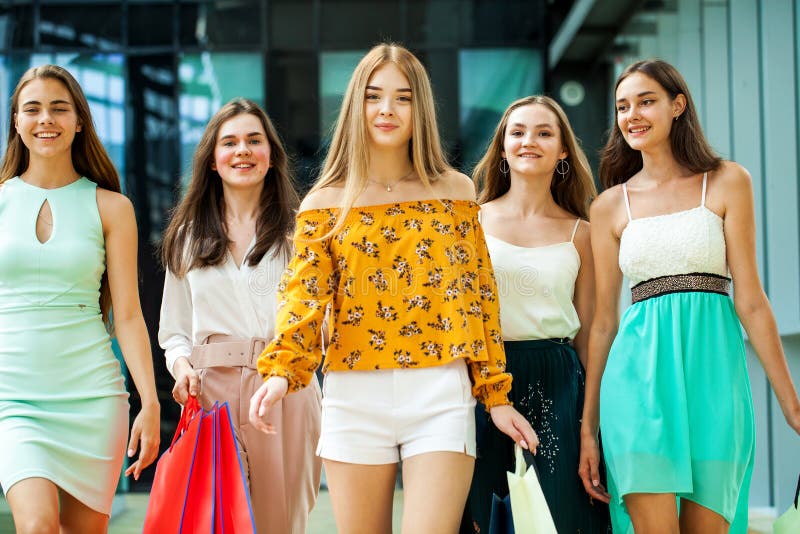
point(282, 469)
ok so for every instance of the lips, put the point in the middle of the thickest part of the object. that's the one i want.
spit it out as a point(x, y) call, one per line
point(46, 135)
point(634, 130)
point(244, 166)
point(386, 127)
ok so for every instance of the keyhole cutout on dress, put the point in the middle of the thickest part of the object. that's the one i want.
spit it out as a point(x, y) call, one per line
point(44, 223)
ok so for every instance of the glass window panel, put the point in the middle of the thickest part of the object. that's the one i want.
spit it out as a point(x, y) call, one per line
point(492, 23)
point(98, 27)
point(291, 24)
point(433, 22)
point(345, 24)
point(224, 22)
point(207, 81)
point(150, 25)
point(489, 80)
point(294, 108)
point(191, 25)
point(16, 27)
point(335, 69)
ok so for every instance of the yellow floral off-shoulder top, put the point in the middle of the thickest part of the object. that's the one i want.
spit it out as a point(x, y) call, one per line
point(409, 285)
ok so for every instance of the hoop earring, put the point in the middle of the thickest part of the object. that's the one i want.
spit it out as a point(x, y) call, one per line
point(562, 168)
point(504, 166)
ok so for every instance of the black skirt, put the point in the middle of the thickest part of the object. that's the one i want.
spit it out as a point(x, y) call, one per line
point(548, 390)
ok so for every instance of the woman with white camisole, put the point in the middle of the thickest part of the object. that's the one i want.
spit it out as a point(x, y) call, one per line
point(536, 189)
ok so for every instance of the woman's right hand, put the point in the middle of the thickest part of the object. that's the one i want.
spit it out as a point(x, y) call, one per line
point(270, 392)
point(187, 381)
point(589, 468)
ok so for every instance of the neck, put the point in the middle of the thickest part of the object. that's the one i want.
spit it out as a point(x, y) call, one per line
point(529, 195)
point(50, 172)
point(388, 166)
point(660, 165)
point(241, 205)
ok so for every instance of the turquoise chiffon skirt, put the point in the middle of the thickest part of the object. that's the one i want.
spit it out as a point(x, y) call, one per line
point(676, 412)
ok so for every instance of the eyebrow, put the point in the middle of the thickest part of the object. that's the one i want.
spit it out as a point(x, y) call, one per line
point(542, 125)
point(639, 95)
point(231, 136)
point(376, 88)
point(52, 103)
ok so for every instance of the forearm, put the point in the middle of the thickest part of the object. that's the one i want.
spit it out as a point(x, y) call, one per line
point(759, 323)
point(600, 338)
point(133, 340)
point(581, 345)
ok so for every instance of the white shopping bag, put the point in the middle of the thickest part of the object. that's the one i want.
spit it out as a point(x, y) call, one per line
point(528, 506)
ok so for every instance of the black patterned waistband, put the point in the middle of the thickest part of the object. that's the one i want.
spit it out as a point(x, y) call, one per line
point(680, 283)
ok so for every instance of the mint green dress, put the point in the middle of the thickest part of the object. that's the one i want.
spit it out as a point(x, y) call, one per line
point(63, 403)
point(676, 412)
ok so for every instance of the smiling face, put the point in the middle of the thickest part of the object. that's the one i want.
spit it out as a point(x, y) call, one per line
point(387, 108)
point(532, 142)
point(242, 152)
point(46, 119)
point(645, 111)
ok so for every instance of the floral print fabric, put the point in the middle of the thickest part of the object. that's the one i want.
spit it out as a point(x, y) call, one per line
point(409, 285)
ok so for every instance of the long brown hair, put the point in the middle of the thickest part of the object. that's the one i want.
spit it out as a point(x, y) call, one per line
point(572, 192)
point(348, 157)
point(196, 236)
point(89, 157)
point(689, 146)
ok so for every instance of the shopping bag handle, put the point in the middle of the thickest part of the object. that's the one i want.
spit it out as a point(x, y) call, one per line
point(797, 493)
point(190, 409)
point(521, 465)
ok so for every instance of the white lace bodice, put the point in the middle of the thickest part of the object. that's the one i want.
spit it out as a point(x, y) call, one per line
point(689, 241)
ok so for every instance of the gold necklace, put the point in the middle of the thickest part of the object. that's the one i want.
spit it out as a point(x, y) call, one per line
point(392, 184)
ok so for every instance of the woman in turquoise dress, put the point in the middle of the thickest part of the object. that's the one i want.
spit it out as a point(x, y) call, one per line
point(67, 253)
point(674, 407)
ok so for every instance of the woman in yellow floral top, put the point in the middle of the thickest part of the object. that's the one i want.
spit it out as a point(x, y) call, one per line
point(388, 241)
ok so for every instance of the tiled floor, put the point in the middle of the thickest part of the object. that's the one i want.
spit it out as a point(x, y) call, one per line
point(321, 521)
point(130, 520)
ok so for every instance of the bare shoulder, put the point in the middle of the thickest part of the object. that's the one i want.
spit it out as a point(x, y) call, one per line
point(327, 197)
point(455, 185)
point(113, 205)
point(607, 203)
point(731, 175)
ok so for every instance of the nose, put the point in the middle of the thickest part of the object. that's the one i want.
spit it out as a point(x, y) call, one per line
point(242, 148)
point(529, 139)
point(45, 117)
point(386, 108)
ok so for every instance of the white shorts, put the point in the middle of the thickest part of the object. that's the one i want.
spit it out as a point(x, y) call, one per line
point(380, 417)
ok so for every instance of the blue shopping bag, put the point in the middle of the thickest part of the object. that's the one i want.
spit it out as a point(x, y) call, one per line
point(501, 520)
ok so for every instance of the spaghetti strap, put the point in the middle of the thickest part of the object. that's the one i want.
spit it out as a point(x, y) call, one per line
point(705, 179)
point(574, 230)
point(627, 202)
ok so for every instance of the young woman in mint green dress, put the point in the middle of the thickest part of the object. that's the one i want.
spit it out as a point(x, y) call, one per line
point(674, 407)
point(67, 252)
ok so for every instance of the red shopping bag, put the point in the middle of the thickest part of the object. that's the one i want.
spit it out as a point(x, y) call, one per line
point(173, 472)
point(235, 513)
point(199, 506)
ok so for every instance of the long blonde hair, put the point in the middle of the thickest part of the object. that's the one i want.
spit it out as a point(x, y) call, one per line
point(572, 192)
point(347, 160)
point(89, 157)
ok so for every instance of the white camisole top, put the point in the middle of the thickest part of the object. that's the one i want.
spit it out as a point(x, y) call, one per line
point(684, 242)
point(536, 286)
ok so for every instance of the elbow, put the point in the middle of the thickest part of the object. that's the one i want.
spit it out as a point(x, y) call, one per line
point(748, 306)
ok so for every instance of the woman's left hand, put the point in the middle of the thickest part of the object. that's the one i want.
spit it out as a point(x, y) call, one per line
point(145, 436)
point(511, 423)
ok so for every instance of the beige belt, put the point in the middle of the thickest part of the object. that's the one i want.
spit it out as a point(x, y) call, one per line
point(220, 350)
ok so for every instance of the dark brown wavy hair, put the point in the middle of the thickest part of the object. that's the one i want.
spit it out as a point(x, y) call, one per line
point(89, 157)
point(573, 192)
point(689, 146)
point(196, 236)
